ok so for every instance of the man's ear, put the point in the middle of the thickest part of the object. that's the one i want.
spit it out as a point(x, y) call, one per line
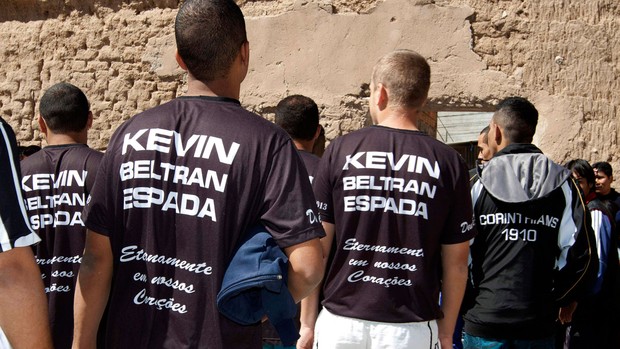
point(42, 125)
point(179, 60)
point(317, 133)
point(89, 122)
point(382, 97)
point(498, 134)
point(245, 53)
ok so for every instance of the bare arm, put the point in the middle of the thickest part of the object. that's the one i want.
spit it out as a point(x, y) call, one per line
point(92, 289)
point(310, 304)
point(454, 264)
point(305, 268)
point(22, 300)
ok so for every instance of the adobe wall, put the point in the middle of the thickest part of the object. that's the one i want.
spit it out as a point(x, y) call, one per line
point(562, 55)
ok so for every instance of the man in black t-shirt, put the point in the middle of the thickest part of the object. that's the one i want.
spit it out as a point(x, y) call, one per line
point(603, 174)
point(177, 189)
point(299, 116)
point(57, 181)
point(395, 202)
point(23, 311)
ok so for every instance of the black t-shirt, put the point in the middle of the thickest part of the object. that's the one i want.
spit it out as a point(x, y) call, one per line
point(177, 188)
point(395, 197)
point(14, 228)
point(56, 182)
point(311, 162)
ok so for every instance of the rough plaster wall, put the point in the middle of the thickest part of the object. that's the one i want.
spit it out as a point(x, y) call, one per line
point(566, 56)
point(102, 53)
point(561, 54)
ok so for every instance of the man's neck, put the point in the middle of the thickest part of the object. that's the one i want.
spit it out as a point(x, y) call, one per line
point(303, 145)
point(62, 139)
point(216, 88)
point(399, 118)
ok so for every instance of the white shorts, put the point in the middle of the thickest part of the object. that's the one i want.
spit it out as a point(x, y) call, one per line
point(339, 332)
point(4, 342)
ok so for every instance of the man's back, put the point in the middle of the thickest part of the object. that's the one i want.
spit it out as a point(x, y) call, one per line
point(394, 196)
point(57, 181)
point(192, 176)
point(529, 215)
point(311, 162)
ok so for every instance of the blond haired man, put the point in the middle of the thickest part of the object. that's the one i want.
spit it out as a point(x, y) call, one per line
point(396, 204)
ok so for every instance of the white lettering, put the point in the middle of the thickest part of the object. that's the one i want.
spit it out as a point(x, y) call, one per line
point(312, 217)
point(62, 274)
point(352, 245)
point(60, 259)
point(132, 142)
point(358, 263)
point(45, 181)
point(516, 218)
point(131, 253)
point(159, 304)
point(159, 140)
point(395, 266)
point(58, 218)
point(365, 203)
point(386, 282)
point(175, 284)
point(144, 169)
point(162, 140)
point(57, 288)
point(388, 184)
point(381, 160)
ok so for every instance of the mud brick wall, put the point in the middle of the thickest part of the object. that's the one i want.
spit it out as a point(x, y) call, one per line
point(562, 55)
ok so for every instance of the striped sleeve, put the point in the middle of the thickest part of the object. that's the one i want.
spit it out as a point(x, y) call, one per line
point(577, 262)
point(568, 226)
point(604, 235)
point(14, 228)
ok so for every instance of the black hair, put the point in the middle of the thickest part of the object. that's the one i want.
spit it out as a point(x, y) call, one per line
point(485, 134)
point(299, 116)
point(30, 149)
point(603, 166)
point(65, 108)
point(209, 35)
point(583, 169)
point(518, 117)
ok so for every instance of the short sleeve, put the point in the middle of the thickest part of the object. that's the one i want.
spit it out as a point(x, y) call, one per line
point(289, 212)
point(15, 230)
point(98, 210)
point(460, 225)
point(323, 189)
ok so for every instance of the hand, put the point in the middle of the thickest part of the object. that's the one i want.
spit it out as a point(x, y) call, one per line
point(306, 339)
point(566, 313)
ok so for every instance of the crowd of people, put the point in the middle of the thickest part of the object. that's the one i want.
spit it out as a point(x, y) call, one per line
point(203, 224)
point(515, 289)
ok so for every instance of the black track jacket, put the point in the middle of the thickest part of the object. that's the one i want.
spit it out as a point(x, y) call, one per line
point(535, 248)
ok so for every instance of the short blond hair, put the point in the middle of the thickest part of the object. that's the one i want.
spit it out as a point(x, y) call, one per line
point(406, 75)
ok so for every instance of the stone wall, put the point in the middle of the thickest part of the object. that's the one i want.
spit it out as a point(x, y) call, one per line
point(562, 55)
